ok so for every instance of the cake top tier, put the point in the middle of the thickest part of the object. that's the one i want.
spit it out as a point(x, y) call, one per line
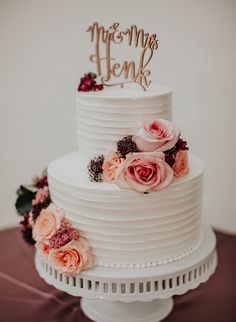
point(105, 116)
point(131, 96)
point(128, 92)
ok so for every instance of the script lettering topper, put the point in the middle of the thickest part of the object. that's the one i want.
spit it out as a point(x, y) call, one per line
point(129, 71)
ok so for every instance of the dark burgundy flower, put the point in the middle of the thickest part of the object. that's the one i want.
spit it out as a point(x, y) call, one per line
point(97, 87)
point(36, 209)
point(181, 145)
point(170, 154)
point(88, 83)
point(126, 145)
point(83, 87)
point(169, 158)
point(95, 168)
point(26, 230)
point(42, 183)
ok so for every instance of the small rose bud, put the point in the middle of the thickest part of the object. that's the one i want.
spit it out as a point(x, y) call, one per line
point(97, 87)
point(83, 87)
point(89, 81)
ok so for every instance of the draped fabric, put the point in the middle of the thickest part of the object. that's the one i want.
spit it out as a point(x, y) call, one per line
point(25, 297)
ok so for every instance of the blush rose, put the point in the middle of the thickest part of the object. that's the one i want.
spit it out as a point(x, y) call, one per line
point(181, 165)
point(143, 172)
point(47, 223)
point(72, 258)
point(158, 135)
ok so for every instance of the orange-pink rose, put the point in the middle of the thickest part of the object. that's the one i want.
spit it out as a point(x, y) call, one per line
point(110, 165)
point(181, 165)
point(157, 135)
point(47, 223)
point(143, 172)
point(72, 258)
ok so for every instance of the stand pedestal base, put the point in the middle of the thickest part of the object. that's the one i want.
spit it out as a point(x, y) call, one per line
point(135, 295)
point(104, 311)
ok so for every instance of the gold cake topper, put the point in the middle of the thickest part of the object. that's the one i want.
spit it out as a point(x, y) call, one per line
point(128, 70)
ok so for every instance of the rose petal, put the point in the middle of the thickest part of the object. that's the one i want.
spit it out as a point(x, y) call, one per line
point(144, 172)
point(157, 135)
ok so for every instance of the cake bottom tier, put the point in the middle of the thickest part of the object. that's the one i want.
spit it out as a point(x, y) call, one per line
point(126, 228)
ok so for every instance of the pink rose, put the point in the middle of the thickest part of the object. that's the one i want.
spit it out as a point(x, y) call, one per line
point(40, 196)
point(72, 258)
point(43, 248)
point(47, 223)
point(110, 165)
point(158, 135)
point(144, 172)
point(181, 165)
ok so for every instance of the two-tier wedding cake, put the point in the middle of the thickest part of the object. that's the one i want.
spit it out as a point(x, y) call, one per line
point(118, 221)
point(130, 196)
point(128, 226)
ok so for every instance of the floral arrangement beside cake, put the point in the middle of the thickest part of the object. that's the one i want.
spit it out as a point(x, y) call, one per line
point(45, 225)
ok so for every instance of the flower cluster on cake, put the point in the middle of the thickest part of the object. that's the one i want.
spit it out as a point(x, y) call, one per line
point(147, 161)
point(45, 226)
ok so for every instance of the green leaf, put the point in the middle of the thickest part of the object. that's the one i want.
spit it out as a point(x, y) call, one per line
point(19, 191)
point(24, 202)
point(28, 188)
point(93, 75)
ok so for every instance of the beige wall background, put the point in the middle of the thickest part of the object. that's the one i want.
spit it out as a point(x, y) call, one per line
point(44, 50)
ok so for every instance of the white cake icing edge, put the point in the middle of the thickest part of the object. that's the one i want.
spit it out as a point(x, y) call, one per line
point(154, 263)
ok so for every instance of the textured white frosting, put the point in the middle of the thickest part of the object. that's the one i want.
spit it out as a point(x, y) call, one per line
point(103, 117)
point(124, 227)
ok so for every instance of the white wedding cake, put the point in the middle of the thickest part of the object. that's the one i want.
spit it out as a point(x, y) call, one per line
point(125, 224)
point(118, 221)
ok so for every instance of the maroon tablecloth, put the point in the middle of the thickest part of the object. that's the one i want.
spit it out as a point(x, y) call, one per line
point(25, 297)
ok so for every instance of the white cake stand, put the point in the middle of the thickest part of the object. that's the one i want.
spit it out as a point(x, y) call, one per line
point(135, 295)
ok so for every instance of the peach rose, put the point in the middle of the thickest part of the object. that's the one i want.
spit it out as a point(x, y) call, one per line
point(72, 258)
point(47, 223)
point(43, 248)
point(181, 165)
point(143, 172)
point(110, 165)
point(158, 135)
